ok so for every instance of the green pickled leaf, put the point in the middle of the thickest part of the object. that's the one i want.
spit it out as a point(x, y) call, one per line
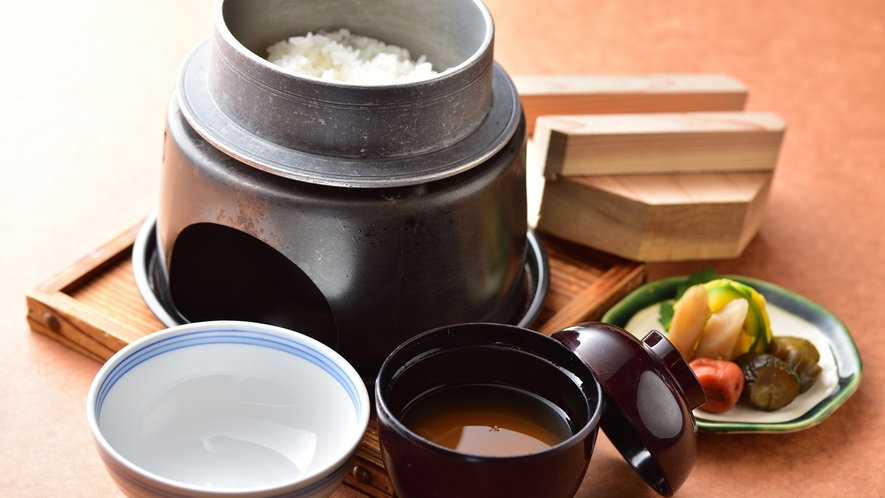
point(666, 314)
point(699, 277)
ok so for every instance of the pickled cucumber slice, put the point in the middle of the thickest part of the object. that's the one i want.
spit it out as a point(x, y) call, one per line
point(802, 357)
point(769, 383)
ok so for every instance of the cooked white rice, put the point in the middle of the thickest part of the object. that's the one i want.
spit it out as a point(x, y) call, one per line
point(344, 56)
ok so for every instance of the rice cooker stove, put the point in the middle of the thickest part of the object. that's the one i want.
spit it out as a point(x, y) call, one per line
point(358, 215)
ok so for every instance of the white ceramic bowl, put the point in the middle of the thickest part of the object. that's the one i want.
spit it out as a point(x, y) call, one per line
point(227, 409)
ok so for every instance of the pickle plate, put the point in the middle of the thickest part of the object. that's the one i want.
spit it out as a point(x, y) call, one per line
point(791, 315)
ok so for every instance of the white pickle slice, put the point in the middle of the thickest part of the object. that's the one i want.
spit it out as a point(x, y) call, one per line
point(722, 331)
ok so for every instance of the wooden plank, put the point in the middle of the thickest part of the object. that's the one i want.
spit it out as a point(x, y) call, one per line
point(578, 272)
point(658, 217)
point(94, 308)
point(621, 144)
point(70, 322)
point(368, 474)
point(87, 267)
point(590, 303)
point(607, 94)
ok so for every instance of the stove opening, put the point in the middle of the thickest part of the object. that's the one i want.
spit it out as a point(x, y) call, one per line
point(220, 273)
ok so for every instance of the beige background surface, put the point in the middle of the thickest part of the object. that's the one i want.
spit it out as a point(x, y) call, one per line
point(83, 92)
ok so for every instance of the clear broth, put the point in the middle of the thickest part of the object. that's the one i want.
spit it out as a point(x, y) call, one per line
point(487, 420)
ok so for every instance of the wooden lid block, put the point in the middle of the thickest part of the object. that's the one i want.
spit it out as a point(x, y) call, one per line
point(658, 217)
point(608, 94)
point(692, 142)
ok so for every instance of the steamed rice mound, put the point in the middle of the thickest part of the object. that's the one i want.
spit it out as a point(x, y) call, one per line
point(346, 57)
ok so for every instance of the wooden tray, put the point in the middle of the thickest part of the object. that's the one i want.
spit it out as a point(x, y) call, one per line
point(94, 308)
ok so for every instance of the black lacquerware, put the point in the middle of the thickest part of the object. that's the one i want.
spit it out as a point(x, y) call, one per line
point(640, 392)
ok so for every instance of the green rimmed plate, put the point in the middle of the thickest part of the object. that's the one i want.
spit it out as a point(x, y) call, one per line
point(791, 315)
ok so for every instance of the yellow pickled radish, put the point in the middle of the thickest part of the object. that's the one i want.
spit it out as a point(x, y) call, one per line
point(689, 315)
point(722, 331)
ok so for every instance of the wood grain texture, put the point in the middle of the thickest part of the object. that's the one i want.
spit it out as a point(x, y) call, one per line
point(658, 217)
point(94, 308)
point(613, 94)
point(93, 305)
point(368, 474)
point(590, 303)
point(685, 142)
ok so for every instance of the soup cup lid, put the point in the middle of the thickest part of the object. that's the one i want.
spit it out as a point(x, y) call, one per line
point(649, 392)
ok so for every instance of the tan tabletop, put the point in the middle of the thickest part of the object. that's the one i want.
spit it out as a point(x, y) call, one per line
point(84, 88)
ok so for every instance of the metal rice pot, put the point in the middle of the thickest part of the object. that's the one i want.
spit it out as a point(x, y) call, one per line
point(358, 215)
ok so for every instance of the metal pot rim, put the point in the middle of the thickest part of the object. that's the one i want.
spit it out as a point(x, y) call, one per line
point(228, 38)
point(204, 115)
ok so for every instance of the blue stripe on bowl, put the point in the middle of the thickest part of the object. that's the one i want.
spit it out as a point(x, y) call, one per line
point(226, 336)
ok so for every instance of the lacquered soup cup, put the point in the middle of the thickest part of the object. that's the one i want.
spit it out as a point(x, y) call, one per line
point(640, 393)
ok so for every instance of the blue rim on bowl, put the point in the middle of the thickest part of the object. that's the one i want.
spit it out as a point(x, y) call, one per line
point(845, 353)
point(132, 477)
